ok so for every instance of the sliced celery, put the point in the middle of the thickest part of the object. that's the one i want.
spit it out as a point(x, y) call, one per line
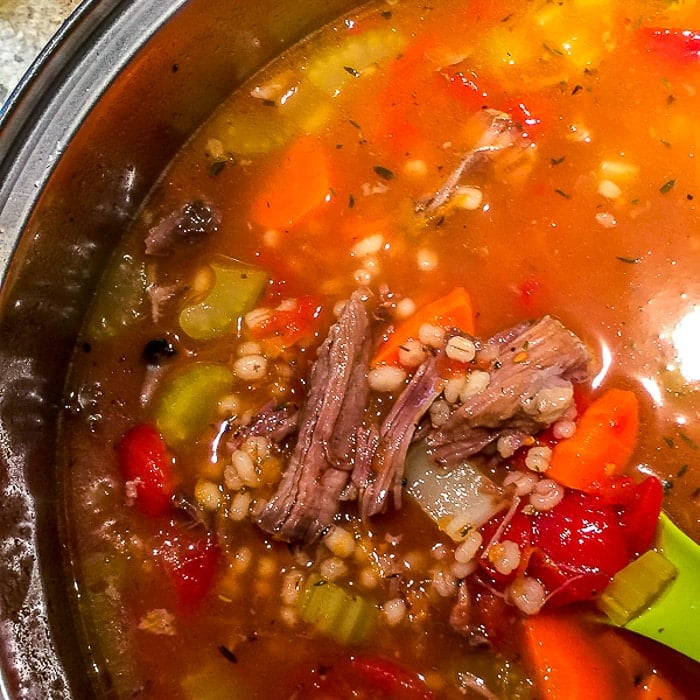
point(334, 612)
point(673, 616)
point(215, 681)
point(121, 298)
point(503, 676)
point(636, 587)
point(302, 103)
point(236, 288)
point(332, 69)
point(189, 401)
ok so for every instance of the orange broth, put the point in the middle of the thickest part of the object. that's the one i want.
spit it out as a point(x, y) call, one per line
point(596, 224)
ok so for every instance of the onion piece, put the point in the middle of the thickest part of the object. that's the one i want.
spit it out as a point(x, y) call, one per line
point(459, 500)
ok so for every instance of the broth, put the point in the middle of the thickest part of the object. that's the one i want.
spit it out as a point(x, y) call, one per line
point(543, 158)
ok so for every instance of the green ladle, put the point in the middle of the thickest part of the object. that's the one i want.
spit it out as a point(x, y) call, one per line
point(673, 616)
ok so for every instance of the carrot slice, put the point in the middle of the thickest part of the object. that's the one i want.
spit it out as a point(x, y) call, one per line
point(455, 309)
point(605, 438)
point(298, 185)
point(566, 660)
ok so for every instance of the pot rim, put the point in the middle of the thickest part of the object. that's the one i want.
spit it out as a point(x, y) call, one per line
point(46, 108)
point(37, 123)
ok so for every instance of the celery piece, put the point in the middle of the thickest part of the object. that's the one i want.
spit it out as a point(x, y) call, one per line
point(236, 288)
point(189, 400)
point(217, 680)
point(301, 102)
point(503, 676)
point(636, 586)
point(333, 68)
point(120, 299)
point(260, 130)
point(333, 611)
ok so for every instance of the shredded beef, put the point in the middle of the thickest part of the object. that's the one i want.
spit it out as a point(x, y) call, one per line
point(189, 224)
point(308, 496)
point(272, 421)
point(341, 454)
point(530, 388)
point(383, 472)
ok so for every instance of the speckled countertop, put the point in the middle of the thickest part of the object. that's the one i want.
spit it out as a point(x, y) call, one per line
point(25, 27)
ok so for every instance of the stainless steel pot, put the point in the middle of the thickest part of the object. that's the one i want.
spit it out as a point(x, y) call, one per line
point(101, 112)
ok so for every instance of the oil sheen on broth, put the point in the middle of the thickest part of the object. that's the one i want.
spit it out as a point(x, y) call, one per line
point(416, 206)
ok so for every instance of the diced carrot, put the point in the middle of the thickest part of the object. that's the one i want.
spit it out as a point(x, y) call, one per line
point(455, 309)
point(567, 661)
point(643, 675)
point(605, 438)
point(297, 186)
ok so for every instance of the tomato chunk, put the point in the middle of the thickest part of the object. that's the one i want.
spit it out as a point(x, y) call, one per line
point(147, 468)
point(364, 678)
point(191, 561)
point(681, 46)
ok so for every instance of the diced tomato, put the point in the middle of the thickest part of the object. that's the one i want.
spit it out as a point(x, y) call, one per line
point(390, 678)
point(680, 46)
point(493, 617)
point(463, 86)
point(474, 92)
point(579, 547)
point(397, 123)
point(147, 467)
point(288, 325)
point(640, 518)
point(364, 678)
point(575, 548)
point(518, 530)
point(191, 560)
point(528, 293)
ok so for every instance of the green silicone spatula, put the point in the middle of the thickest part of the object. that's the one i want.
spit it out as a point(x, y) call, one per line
point(658, 595)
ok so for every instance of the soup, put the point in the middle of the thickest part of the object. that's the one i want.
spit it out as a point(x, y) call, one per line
point(394, 371)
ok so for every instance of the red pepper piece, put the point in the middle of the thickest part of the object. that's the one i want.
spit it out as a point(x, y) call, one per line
point(191, 562)
point(580, 547)
point(575, 548)
point(392, 680)
point(290, 325)
point(641, 517)
point(363, 677)
point(677, 45)
point(146, 465)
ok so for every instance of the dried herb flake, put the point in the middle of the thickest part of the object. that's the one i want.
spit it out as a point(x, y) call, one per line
point(216, 167)
point(228, 654)
point(383, 172)
point(667, 186)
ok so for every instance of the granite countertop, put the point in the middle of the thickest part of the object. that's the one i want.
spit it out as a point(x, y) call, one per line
point(25, 27)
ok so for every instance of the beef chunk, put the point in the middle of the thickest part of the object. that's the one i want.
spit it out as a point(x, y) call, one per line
point(189, 224)
point(308, 496)
point(274, 422)
point(530, 387)
point(381, 471)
